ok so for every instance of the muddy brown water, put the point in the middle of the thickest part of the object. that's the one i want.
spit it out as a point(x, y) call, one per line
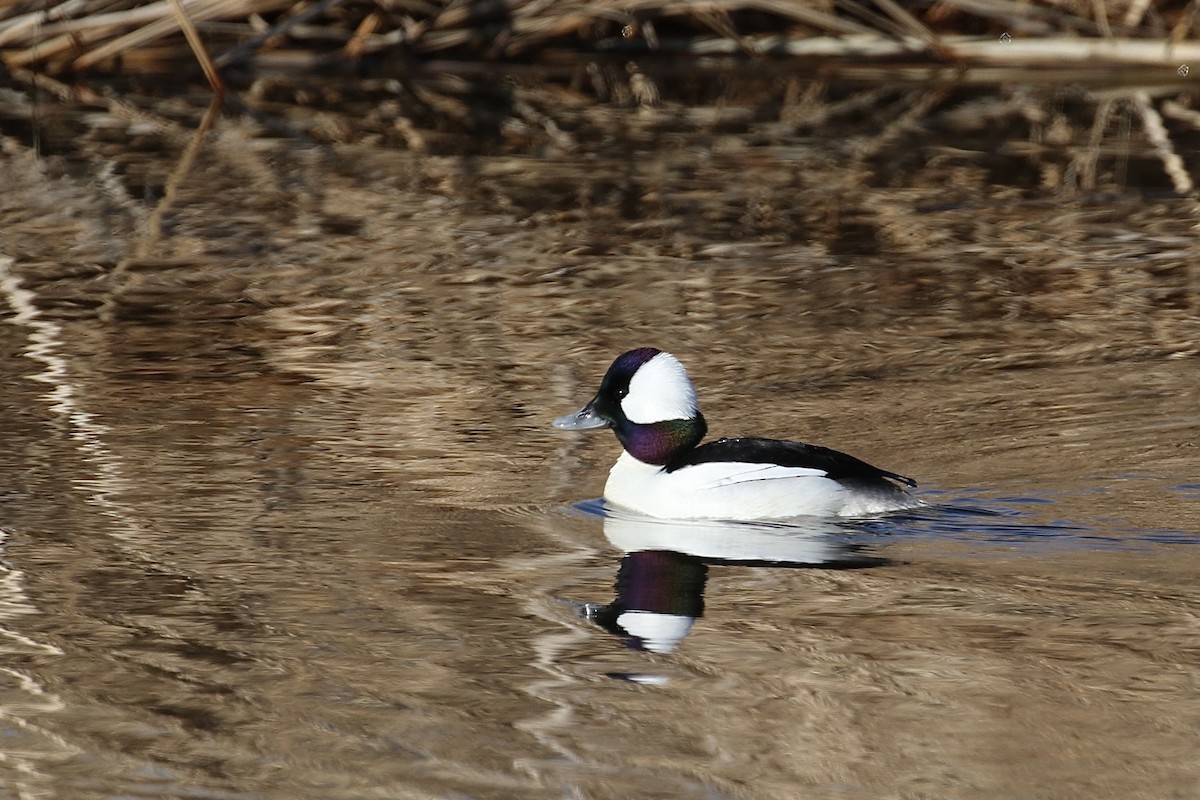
point(283, 515)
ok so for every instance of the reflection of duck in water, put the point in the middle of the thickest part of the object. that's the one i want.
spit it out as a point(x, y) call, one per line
point(649, 402)
point(660, 593)
point(660, 583)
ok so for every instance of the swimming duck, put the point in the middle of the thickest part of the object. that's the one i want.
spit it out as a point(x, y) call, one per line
point(650, 403)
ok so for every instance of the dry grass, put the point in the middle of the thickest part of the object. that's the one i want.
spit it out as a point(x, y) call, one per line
point(579, 76)
point(390, 36)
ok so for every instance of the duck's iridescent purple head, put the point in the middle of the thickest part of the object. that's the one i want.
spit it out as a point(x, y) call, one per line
point(649, 402)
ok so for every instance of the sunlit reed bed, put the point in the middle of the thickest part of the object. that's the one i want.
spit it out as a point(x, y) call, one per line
point(423, 75)
point(131, 37)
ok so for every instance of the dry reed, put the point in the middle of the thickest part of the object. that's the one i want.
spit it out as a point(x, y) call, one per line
point(300, 36)
point(426, 72)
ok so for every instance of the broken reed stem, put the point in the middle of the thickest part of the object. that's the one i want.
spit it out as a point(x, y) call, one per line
point(247, 48)
point(200, 10)
point(1152, 124)
point(25, 26)
point(201, 53)
point(1136, 12)
point(913, 25)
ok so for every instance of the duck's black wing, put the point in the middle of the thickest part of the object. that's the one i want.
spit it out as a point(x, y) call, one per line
point(754, 450)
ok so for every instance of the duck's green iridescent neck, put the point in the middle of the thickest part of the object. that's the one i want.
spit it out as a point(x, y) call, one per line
point(659, 442)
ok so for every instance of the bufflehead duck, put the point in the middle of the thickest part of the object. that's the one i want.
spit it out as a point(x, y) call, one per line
point(649, 402)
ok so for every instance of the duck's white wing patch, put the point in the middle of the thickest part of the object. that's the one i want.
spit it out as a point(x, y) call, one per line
point(715, 474)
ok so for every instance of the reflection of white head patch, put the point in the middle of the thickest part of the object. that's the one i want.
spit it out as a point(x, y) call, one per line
point(660, 633)
point(659, 391)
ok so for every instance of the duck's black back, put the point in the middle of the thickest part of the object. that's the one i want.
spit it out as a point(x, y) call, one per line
point(755, 450)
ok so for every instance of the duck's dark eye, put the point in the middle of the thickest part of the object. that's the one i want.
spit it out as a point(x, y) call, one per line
point(624, 390)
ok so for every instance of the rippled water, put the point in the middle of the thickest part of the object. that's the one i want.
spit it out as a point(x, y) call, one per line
point(284, 517)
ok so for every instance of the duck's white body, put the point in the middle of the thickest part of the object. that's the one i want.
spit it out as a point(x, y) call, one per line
point(733, 490)
point(649, 402)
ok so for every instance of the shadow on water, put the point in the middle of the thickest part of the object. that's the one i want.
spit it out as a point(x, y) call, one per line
point(1028, 522)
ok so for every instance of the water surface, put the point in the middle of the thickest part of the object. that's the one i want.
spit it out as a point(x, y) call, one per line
point(284, 517)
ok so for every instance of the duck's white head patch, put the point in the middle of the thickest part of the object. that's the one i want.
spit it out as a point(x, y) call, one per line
point(660, 390)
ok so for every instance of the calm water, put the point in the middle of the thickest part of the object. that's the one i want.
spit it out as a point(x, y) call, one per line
point(283, 515)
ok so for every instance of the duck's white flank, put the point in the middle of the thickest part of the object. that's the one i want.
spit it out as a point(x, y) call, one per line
point(733, 490)
point(659, 391)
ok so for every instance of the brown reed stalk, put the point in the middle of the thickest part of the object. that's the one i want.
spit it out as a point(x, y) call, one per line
point(80, 35)
point(197, 45)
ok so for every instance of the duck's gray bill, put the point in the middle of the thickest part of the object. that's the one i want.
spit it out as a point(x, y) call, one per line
point(581, 420)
